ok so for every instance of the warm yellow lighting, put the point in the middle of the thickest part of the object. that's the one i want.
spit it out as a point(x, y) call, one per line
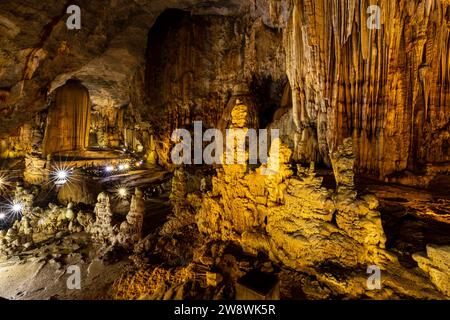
point(122, 192)
point(3, 181)
point(139, 163)
point(124, 166)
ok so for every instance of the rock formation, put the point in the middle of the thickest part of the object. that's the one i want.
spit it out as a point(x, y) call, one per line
point(24, 198)
point(68, 120)
point(360, 103)
point(182, 214)
point(436, 263)
point(387, 88)
point(37, 171)
point(102, 230)
point(278, 213)
point(130, 231)
point(79, 189)
point(346, 78)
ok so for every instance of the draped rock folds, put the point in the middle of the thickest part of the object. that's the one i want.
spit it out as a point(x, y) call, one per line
point(68, 120)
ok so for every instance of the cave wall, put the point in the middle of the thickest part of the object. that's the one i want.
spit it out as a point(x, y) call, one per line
point(197, 63)
point(387, 88)
point(27, 139)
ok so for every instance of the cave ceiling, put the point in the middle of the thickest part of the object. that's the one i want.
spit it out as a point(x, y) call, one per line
point(38, 53)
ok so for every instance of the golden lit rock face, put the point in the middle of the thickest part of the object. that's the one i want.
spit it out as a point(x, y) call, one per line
point(239, 115)
point(235, 209)
point(68, 120)
point(158, 284)
point(278, 169)
point(37, 170)
point(387, 89)
point(230, 55)
point(436, 263)
point(293, 218)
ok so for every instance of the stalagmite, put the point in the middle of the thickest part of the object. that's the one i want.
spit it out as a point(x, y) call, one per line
point(102, 229)
point(387, 89)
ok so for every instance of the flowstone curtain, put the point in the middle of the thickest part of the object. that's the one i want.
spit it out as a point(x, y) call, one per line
point(68, 120)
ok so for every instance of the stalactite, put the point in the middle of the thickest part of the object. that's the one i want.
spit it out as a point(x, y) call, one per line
point(68, 120)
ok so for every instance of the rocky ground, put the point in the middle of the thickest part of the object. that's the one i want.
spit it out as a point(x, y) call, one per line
point(43, 273)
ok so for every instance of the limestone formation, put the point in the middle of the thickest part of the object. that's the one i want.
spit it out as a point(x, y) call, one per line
point(24, 198)
point(294, 219)
point(68, 121)
point(343, 162)
point(355, 81)
point(178, 193)
point(18, 238)
point(48, 221)
point(436, 263)
point(102, 229)
point(79, 189)
point(182, 202)
point(130, 231)
point(36, 171)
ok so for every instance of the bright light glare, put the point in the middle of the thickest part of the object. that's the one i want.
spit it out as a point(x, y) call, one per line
point(121, 167)
point(3, 182)
point(126, 166)
point(17, 207)
point(2, 216)
point(109, 168)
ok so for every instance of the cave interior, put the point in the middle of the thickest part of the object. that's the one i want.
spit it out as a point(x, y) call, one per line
point(353, 176)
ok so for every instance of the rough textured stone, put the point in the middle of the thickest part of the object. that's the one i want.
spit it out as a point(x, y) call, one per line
point(384, 88)
point(68, 120)
point(355, 100)
point(436, 263)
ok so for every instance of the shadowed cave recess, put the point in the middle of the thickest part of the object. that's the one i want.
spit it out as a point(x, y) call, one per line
point(356, 181)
